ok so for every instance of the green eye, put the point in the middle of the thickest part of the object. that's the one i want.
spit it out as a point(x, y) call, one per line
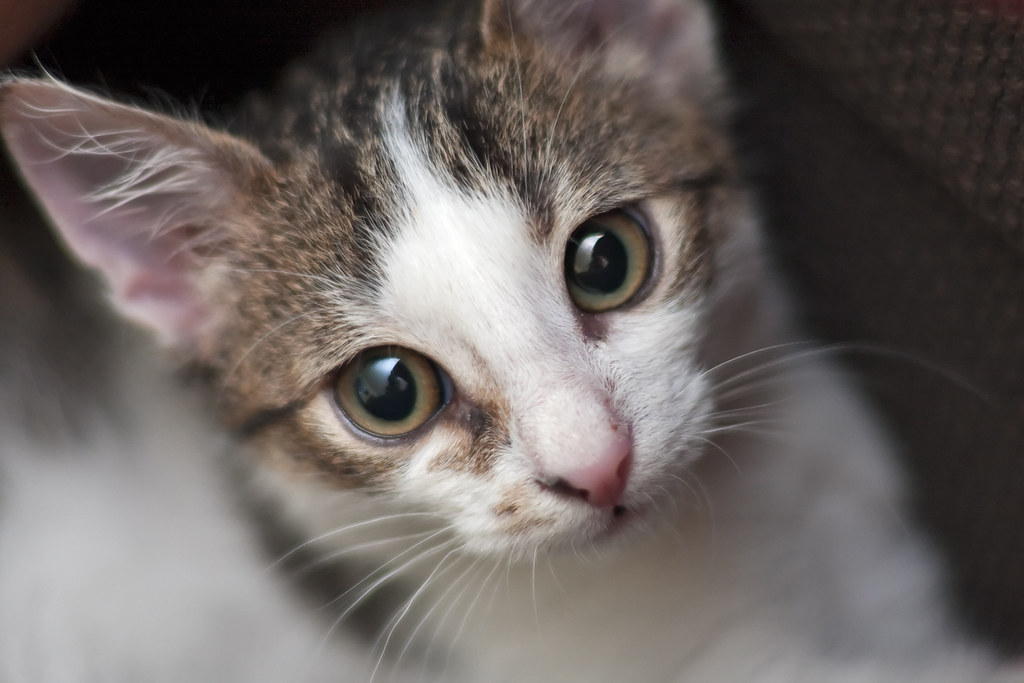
point(607, 261)
point(389, 391)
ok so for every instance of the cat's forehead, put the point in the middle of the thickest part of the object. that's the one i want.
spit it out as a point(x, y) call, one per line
point(465, 266)
point(439, 192)
point(550, 133)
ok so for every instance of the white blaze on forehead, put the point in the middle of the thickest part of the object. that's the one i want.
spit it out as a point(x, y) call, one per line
point(463, 270)
point(466, 283)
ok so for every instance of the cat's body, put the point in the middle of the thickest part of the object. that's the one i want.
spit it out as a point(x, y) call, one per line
point(648, 480)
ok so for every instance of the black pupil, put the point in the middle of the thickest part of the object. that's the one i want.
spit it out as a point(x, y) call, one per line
point(386, 388)
point(597, 261)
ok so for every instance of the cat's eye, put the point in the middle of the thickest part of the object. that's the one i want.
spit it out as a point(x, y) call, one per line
point(390, 391)
point(607, 261)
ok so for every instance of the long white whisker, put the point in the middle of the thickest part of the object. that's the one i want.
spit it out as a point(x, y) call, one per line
point(739, 426)
point(341, 617)
point(728, 392)
point(379, 582)
point(721, 450)
point(358, 547)
point(437, 603)
point(697, 488)
point(765, 366)
point(408, 606)
point(757, 352)
point(472, 605)
point(345, 529)
point(754, 431)
point(554, 577)
point(813, 349)
point(752, 411)
point(390, 574)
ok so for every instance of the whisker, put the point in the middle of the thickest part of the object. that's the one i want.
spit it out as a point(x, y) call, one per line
point(752, 385)
point(376, 584)
point(594, 549)
point(437, 603)
point(668, 497)
point(554, 577)
point(766, 366)
point(345, 529)
point(763, 410)
point(720, 449)
point(813, 349)
point(332, 556)
point(391, 574)
point(469, 610)
point(508, 574)
point(703, 504)
point(756, 352)
point(699, 491)
point(395, 621)
point(738, 426)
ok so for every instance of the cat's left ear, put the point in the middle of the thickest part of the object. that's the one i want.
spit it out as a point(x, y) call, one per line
point(665, 46)
point(146, 199)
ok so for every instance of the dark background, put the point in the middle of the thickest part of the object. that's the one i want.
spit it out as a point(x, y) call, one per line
point(885, 137)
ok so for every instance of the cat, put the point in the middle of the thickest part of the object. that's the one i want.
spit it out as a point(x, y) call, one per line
point(480, 307)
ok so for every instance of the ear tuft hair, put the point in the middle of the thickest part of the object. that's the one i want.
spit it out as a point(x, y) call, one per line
point(140, 196)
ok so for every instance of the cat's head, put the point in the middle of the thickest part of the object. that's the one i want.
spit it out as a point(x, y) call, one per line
point(463, 267)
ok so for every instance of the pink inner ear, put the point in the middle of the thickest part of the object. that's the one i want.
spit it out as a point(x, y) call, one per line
point(152, 279)
point(132, 193)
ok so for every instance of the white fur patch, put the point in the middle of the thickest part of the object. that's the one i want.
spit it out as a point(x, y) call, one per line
point(122, 558)
point(470, 287)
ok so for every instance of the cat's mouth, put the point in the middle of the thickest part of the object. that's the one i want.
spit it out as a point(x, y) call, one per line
point(622, 519)
point(615, 522)
point(569, 529)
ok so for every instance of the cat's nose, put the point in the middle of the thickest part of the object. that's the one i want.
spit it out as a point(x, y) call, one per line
point(602, 480)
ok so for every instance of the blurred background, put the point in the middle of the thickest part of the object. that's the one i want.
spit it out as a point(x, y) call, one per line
point(885, 138)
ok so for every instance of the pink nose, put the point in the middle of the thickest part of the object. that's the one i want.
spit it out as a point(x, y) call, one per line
point(602, 481)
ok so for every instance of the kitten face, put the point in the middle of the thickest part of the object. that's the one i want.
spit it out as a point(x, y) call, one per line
point(469, 271)
point(423, 212)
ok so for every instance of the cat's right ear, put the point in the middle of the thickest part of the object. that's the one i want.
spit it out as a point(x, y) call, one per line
point(667, 47)
point(146, 199)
